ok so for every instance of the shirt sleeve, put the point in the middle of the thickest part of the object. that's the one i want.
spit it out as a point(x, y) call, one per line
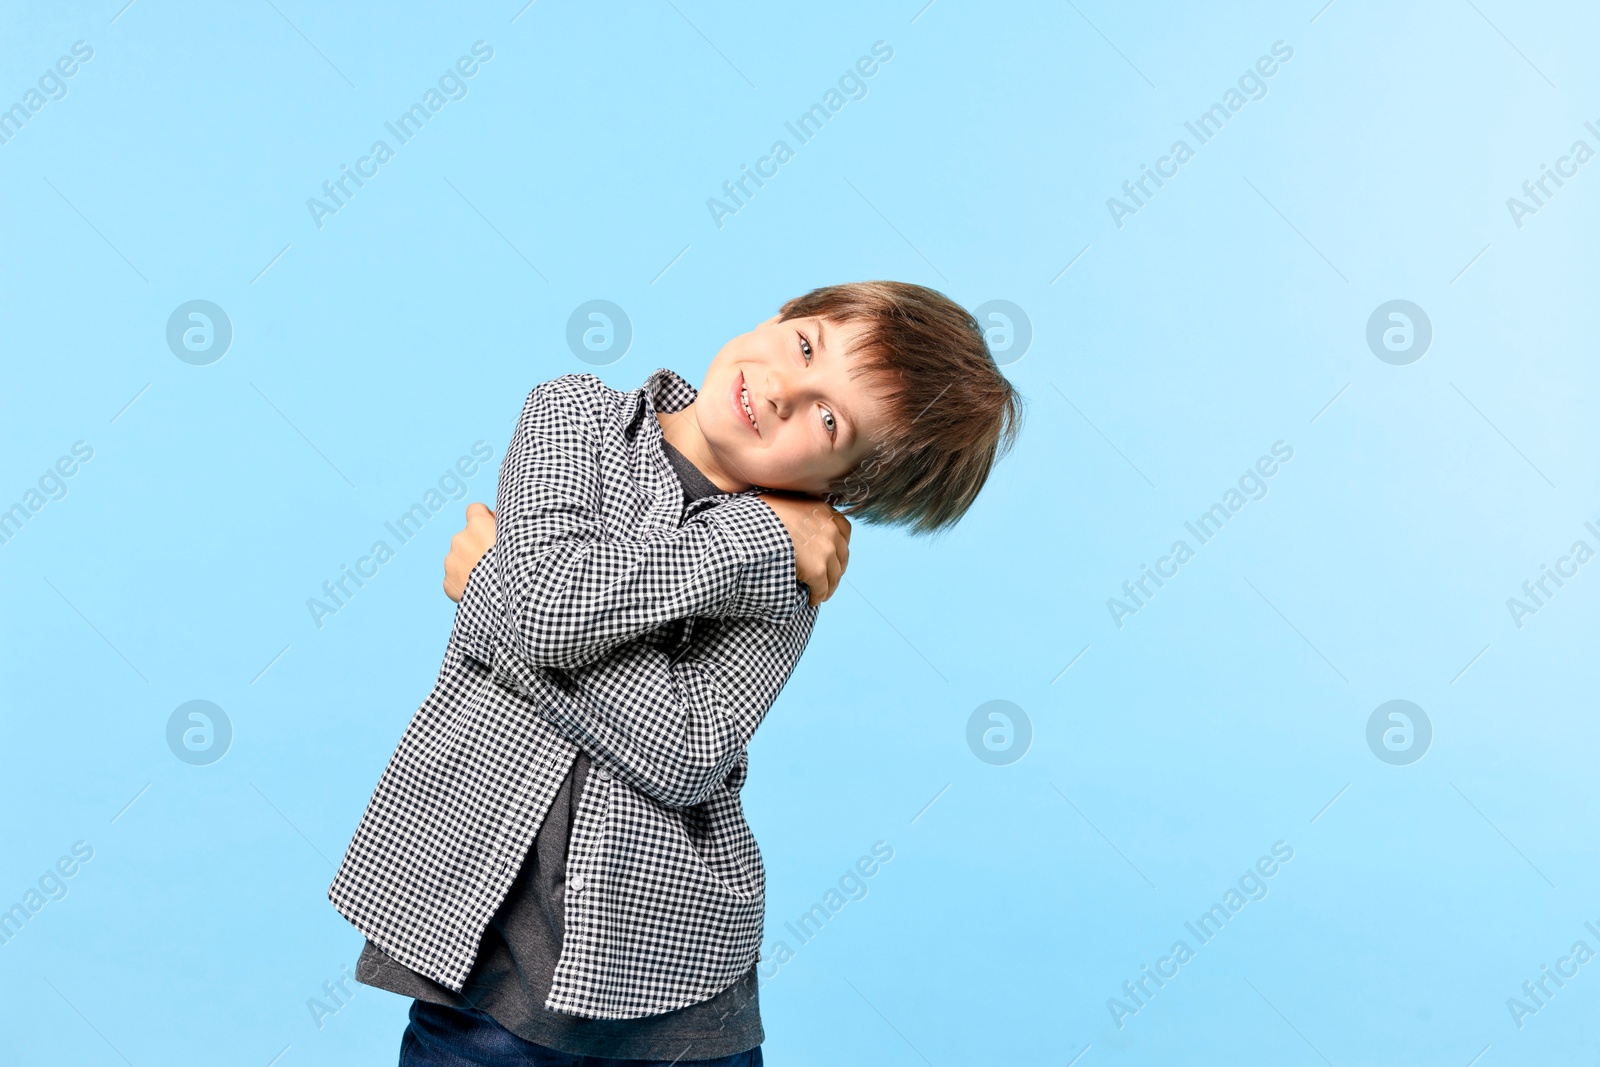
point(674, 729)
point(559, 591)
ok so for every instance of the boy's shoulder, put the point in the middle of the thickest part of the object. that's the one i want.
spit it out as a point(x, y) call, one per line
point(588, 398)
point(582, 397)
point(580, 388)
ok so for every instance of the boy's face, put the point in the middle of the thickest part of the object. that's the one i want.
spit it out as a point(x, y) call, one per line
point(812, 422)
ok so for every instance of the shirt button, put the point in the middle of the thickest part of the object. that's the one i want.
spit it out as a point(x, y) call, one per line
point(602, 774)
point(576, 885)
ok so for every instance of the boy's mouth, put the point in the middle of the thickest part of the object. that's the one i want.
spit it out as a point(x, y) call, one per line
point(741, 404)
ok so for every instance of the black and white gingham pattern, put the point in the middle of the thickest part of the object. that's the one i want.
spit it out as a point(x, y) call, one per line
point(607, 618)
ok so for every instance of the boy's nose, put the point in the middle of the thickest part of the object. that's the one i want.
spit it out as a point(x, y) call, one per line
point(777, 391)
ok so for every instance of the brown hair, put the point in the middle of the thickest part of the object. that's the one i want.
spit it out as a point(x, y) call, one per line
point(951, 414)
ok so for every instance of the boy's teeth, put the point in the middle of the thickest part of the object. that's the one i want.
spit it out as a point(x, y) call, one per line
point(744, 402)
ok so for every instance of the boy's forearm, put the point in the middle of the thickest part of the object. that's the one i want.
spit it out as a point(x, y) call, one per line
point(568, 603)
point(672, 730)
point(563, 594)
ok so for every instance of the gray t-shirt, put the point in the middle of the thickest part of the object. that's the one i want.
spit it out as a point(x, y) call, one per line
point(517, 957)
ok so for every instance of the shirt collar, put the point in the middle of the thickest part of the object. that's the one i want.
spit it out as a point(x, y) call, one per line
point(667, 391)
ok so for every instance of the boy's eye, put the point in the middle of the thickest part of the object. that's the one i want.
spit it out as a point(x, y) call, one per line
point(828, 421)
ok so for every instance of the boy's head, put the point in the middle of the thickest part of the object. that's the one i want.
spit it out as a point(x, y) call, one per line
point(878, 397)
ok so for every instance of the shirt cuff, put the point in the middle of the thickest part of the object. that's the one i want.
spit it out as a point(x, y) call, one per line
point(481, 611)
point(767, 588)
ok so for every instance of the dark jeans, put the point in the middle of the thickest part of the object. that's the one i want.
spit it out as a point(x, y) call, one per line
point(440, 1036)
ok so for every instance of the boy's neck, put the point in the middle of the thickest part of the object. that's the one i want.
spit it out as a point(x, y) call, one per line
point(682, 431)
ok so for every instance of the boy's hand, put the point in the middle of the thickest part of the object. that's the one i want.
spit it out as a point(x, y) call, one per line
point(467, 548)
point(821, 539)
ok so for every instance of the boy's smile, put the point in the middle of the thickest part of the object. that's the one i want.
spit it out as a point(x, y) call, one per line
point(779, 409)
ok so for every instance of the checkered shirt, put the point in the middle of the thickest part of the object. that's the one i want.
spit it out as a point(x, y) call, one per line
point(610, 618)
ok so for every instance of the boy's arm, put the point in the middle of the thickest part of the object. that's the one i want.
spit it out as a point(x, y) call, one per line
point(559, 592)
point(674, 730)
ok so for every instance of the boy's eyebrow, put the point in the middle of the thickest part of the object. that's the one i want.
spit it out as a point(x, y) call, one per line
point(849, 419)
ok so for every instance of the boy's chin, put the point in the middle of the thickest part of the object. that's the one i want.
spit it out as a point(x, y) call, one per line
point(793, 491)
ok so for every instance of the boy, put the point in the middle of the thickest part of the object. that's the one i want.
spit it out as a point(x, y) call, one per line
point(555, 863)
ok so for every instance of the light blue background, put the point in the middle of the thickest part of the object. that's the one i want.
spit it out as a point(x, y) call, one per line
point(1222, 317)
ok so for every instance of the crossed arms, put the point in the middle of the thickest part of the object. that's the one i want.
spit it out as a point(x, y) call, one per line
point(562, 602)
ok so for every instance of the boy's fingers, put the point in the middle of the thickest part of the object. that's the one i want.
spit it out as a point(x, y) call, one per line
point(823, 587)
point(835, 572)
